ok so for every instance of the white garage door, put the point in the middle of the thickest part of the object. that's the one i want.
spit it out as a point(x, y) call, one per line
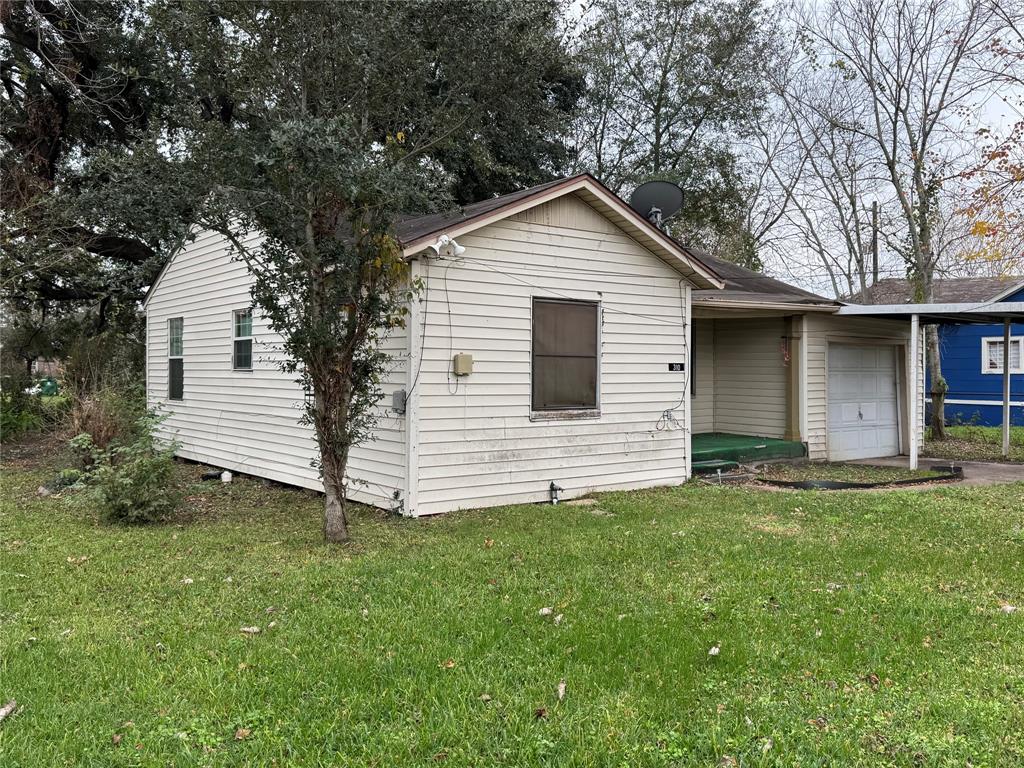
point(863, 416)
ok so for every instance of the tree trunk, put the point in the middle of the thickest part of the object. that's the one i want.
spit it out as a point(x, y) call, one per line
point(335, 522)
point(939, 385)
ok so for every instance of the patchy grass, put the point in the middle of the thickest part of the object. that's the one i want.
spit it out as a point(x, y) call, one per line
point(852, 630)
point(847, 473)
point(972, 443)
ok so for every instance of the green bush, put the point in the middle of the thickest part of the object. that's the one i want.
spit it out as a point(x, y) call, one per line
point(130, 482)
point(17, 416)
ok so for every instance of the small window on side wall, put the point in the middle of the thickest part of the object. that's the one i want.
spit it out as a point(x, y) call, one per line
point(565, 355)
point(241, 352)
point(175, 358)
point(992, 361)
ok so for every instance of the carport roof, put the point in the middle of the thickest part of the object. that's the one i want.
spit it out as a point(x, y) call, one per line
point(984, 313)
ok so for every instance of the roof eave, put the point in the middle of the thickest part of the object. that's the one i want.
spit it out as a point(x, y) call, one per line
point(754, 303)
point(699, 273)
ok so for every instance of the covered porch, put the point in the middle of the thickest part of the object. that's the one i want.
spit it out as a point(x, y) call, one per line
point(745, 386)
point(783, 382)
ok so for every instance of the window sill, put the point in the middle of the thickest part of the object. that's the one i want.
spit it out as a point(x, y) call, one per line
point(573, 415)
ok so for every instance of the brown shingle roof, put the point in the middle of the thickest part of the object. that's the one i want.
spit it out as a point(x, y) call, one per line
point(961, 290)
point(411, 228)
point(742, 284)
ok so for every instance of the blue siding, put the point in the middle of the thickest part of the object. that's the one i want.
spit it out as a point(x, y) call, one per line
point(961, 351)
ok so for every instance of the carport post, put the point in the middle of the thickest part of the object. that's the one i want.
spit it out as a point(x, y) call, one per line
point(912, 410)
point(1006, 386)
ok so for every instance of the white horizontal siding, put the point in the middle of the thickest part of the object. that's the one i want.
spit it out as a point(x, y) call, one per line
point(750, 377)
point(703, 401)
point(821, 329)
point(477, 443)
point(247, 421)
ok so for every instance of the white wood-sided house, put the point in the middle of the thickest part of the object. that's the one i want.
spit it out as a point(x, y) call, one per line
point(594, 353)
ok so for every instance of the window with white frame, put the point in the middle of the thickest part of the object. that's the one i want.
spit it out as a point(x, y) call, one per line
point(241, 352)
point(176, 358)
point(992, 355)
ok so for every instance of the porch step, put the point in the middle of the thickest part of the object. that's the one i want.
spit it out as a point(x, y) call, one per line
point(723, 446)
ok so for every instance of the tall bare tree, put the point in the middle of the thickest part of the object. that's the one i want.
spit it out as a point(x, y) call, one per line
point(895, 84)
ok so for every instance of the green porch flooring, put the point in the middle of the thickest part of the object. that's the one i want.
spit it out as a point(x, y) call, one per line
point(710, 448)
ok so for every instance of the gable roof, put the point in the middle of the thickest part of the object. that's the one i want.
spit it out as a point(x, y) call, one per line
point(958, 290)
point(745, 286)
point(418, 232)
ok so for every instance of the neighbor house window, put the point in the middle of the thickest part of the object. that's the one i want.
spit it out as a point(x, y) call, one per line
point(175, 358)
point(565, 355)
point(241, 356)
point(992, 355)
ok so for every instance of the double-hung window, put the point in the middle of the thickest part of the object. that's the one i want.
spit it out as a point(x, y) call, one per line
point(241, 353)
point(566, 364)
point(992, 355)
point(175, 358)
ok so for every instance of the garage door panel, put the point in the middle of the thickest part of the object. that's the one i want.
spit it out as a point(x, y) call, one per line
point(863, 416)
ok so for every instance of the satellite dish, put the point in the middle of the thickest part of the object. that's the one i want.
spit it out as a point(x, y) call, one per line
point(657, 201)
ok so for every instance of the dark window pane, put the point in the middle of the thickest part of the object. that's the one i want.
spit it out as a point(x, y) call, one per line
point(565, 363)
point(564, 382)
point(176, 379)
point(243, 354)
point(564, 328)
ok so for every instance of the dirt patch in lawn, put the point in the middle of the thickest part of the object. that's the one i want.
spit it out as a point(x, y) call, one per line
point(844, 473)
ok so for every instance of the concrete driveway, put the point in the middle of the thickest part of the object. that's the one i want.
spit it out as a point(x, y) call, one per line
point(975, 472)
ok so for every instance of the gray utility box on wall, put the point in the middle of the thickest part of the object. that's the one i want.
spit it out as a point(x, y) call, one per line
point(462, 364)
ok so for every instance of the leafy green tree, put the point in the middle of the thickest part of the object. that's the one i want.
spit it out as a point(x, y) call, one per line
point(83, 84)
point(343, 117)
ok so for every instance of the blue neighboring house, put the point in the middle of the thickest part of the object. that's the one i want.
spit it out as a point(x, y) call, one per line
point(972, 355)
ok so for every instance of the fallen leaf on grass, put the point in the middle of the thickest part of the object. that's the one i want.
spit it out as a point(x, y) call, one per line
point(242, 734)
point(485, 697)
point(872, 680)
point(714, 650)
point(186, 580)
point(545, 611)
point(820, 722)
point(249, 630)
point(488, 543)
point(78, 560)
point(540, 713)
point(1005, 607)
point(558, 619)
point(561, 690)
point(447, 664)
point(116, 739)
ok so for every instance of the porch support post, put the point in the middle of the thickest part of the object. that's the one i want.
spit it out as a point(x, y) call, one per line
point(912, 400)
point(794, 378)
point(688, 398)
point(1006, 387)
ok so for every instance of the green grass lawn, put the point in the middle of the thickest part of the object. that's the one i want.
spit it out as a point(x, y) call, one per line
point(972, 443)
point(853, 629)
